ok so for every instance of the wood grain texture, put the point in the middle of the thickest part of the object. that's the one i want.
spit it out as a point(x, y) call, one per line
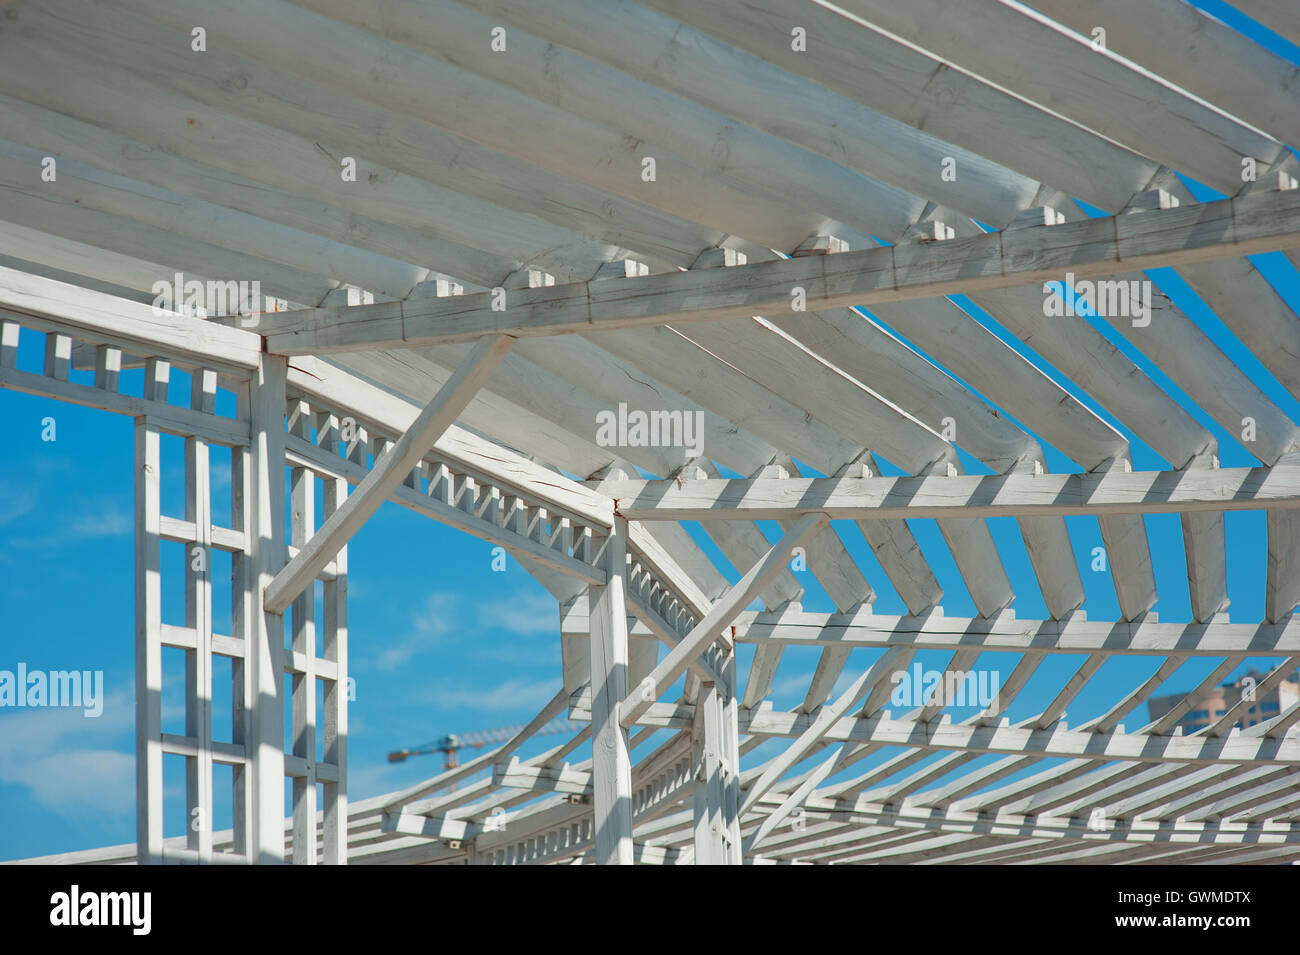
point(1260, 222)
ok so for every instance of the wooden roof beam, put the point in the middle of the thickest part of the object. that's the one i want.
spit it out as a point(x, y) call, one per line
point(1259, 222)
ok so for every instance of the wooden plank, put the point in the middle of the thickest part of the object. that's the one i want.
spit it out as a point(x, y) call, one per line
point(1277, 15)
point(1261, 222)
point(900, 375)
point(745, 545)
point(189, 219)
point(908, 83)
point(880, 498)
point(1282, 587)
point(388, 473)
point(1099, 369)
point(1178, 347)
point(977, 559)
point(1047, 542)
point(623, 45)
point(900, 557)
point(105, 319)
point(811, 382)
point(1241, 296)
point(64, 216)
point(1128, 556)
point(1205, 545)
point(1014, 47)
point(349, 125)
point(1198, 52)
point(969, 350)
point(432, 93)
point(280, 192)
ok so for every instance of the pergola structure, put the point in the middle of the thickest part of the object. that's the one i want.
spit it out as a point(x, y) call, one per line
point(478, 225)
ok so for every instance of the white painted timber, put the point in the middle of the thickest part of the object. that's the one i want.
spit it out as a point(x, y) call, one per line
point(611, 765)
point(1261, 222)
point(390, 470)
point(879, 498)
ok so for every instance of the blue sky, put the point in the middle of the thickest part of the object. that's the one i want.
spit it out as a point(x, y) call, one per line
point(440, 642)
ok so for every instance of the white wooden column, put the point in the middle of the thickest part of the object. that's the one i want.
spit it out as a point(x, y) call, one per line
point(334, 648)
point(198, 620)
point(148, 647)
point(717, 780)
point(302, 668)
point(264, 649)
point(611, 764)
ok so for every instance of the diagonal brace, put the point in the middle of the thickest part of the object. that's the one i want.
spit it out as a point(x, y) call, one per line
point(389, 471)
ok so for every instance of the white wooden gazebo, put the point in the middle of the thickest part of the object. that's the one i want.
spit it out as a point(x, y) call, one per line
point(452, 235)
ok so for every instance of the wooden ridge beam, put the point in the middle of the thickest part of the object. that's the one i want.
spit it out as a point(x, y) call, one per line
point(1260, 222)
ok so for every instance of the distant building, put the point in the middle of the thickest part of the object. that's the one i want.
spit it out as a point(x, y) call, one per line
point(1211, 707)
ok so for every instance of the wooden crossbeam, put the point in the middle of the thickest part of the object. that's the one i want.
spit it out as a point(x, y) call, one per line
point(1090, 248)
point(389, 471)
point(997, 495)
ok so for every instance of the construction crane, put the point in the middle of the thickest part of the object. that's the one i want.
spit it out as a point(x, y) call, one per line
point(450, 745)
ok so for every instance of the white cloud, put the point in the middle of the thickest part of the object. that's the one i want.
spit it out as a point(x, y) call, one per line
point(374, 779)
point(527, 614)
point(426, 630)
point(99, 517)
point(512, 694)
point(72, 783)
point(66, 760)
point(792, 683)
point(15, 501)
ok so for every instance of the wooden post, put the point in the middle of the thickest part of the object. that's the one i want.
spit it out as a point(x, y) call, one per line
point(334, 637)
point(611, 764)
point(303, 681)
point(717, 779)
point(148, 648)
point(198, 619)
point(264, 649)
point(731, 759)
